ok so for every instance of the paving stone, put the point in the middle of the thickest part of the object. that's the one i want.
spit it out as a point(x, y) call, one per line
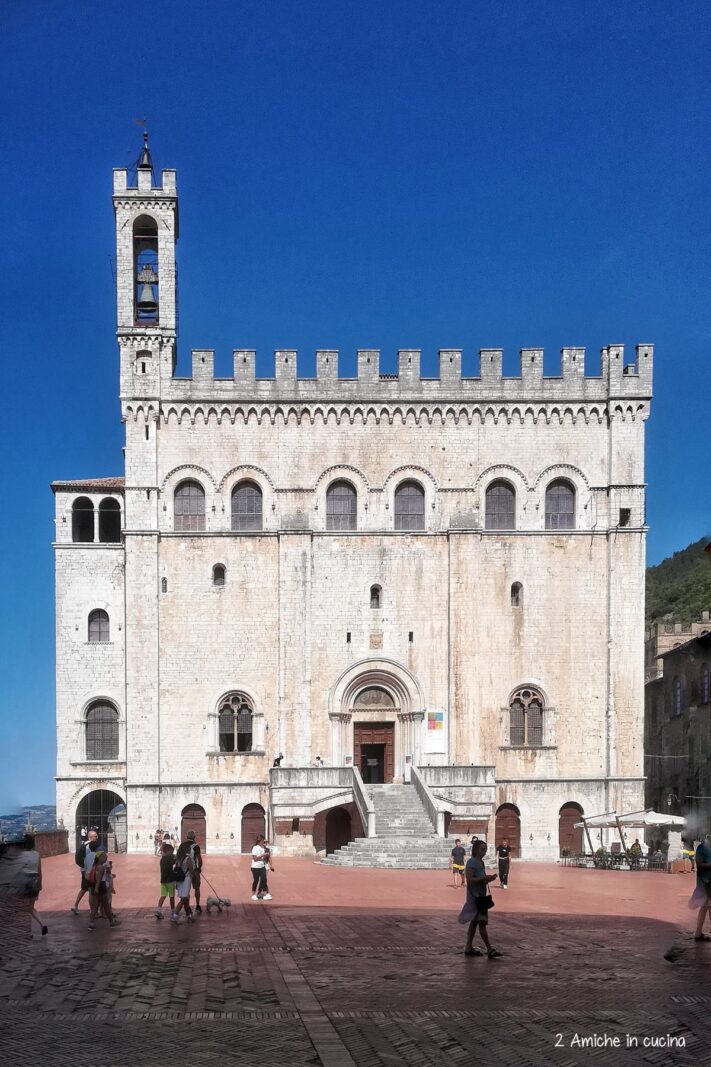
point(378, 985)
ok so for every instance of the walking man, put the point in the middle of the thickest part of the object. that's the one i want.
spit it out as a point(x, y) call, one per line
point(456, 863)
point(503, 853)
point(196, 857)
point(85, 859)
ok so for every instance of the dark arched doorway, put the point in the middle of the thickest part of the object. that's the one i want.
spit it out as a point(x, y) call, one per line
point(105, 810)
point(338, 829)
point(508, 825)
point(252, 825)
point(569, 837)
point(192, 817)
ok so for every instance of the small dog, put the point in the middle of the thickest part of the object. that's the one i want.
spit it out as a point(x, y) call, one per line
point(217, 902)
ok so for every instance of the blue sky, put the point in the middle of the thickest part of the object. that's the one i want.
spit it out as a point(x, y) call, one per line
point(401, 174)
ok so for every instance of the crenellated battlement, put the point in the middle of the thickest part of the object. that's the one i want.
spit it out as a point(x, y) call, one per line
point(616, 378)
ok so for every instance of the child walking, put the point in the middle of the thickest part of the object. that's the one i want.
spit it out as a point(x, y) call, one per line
point(167, 885)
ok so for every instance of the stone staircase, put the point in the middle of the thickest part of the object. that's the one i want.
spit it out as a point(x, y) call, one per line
point(405, 835)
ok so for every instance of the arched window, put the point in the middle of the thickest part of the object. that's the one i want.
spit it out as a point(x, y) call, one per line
point(247, 506)
point(102, 732)
point(409, 506)
point(500, 506)
point(99, 627)
point(218, 574)
point(189, 507)
point(109, 521)
point(516, 595)
point(83, 520)
point(526, 718)
point(375, 596)
point(235, 724)
point(560, 506)
point(164, 585)
point(676, 696)
point(341, 507)
point(705, 695)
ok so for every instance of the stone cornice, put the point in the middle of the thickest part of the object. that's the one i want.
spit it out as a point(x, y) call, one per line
point(199, 412)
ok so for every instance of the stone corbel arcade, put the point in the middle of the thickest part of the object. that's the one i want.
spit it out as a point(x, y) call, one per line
point(377, 691)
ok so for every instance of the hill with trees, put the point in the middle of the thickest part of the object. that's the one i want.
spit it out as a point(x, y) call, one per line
point(680, 586)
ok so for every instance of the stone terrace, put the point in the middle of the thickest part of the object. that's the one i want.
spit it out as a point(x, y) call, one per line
point(358, 967)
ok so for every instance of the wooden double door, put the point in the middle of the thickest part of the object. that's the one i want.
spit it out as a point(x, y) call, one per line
point(374, 751)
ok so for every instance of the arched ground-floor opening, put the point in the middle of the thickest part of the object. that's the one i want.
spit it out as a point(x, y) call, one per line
point(335, 827)
point(193, 818)
point(338, 829)
point(570, 838)
point(253, 824)
point(106, 811)
point(508, 827)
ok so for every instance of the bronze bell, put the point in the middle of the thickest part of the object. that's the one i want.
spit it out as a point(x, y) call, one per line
point(147, 278)
point(146, 301)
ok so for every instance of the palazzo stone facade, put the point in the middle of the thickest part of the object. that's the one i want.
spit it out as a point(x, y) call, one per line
point(384, 572)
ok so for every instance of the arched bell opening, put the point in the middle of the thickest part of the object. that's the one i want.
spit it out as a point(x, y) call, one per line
point(145, 261)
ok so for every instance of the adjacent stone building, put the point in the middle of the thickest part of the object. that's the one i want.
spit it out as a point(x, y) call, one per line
point(678, 730)
point(437, 578)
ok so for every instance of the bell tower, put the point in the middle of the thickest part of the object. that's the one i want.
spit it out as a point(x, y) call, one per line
point(146, 280)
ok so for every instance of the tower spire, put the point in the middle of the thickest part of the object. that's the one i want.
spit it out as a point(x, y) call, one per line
point(145, 160)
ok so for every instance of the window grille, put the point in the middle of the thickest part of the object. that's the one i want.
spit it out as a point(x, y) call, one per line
point(247, 507)
point(409, 507)
point(560, 506)
point(189, 508)
point(341, 507)
point(99, 627)
point(526, 718)
point(235, 724)
point(102, 732)
point(500, 507)
point(705, 686)
point(676, 696)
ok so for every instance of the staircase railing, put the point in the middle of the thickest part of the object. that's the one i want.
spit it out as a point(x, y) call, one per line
point(365, 806)
point(430, 802)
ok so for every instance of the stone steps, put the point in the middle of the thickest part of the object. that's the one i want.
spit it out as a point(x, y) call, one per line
point(405, 838)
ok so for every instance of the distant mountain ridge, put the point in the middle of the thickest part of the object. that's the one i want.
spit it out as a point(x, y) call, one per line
point(42, 817)
point(680, 586)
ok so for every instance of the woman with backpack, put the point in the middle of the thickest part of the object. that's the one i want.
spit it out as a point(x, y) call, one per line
point(183, 877)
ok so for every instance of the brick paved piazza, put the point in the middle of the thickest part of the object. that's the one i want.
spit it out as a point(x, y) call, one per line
point(358, 967)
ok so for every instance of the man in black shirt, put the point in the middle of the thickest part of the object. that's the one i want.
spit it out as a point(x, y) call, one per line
point(504, 854)
point(196, 857)
point(456, 863)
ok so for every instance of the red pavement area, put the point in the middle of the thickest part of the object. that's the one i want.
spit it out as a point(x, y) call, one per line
point(535, 887)
point(359, 967)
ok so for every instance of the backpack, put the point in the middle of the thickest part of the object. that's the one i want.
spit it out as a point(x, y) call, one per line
point(178, 873)
point(79, 855)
